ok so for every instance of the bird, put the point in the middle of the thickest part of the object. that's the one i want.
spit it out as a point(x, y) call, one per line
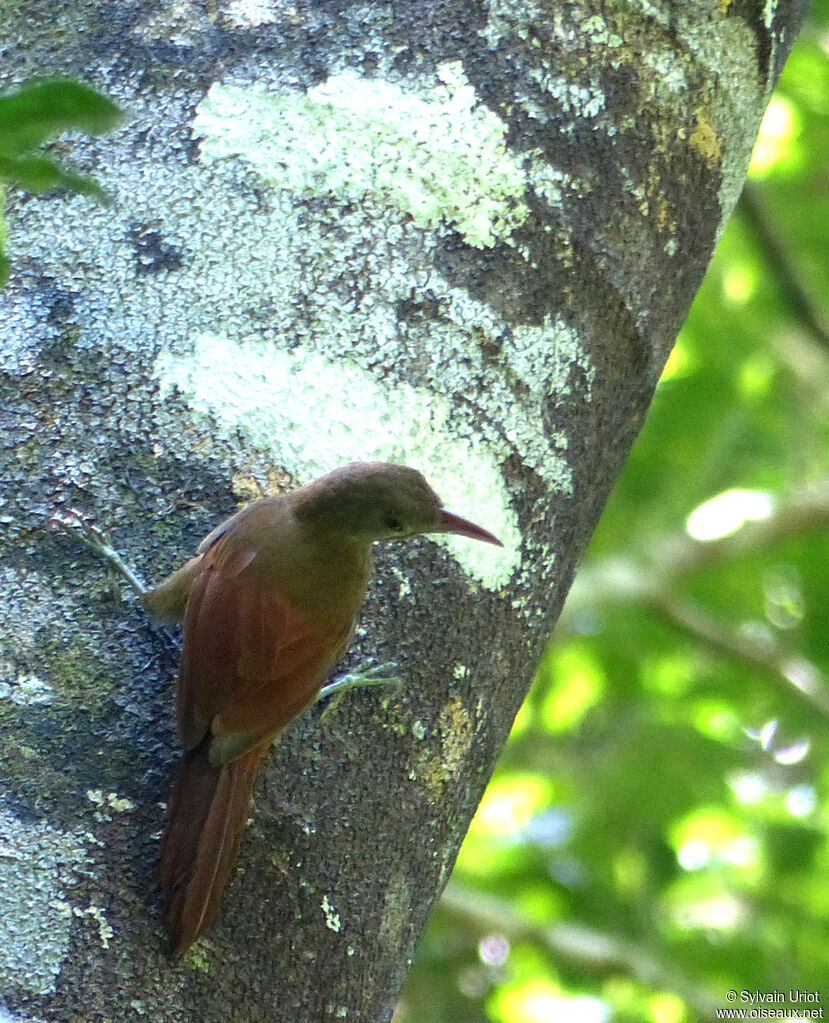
point(268, 606)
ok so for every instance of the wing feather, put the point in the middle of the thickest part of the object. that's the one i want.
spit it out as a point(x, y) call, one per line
point(250, 661)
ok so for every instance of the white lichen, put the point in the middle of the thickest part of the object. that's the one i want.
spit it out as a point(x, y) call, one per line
point(247, 13)
point(25, 690)
point(332, 917)
point(597, 31)
point(37, 865)
point(506, 18)
point(108, 801)
point(97, 914)
point(728, 42)
point(441, 159)
point(405, 585)
point(584, 100)
point(7, 1017)
point(279, 399)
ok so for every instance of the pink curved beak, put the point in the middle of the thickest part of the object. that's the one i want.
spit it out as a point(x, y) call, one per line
point(451, 523)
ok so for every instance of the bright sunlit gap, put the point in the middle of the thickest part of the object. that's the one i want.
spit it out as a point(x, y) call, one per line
point(739, 283)
point(754, 788)
point(779, 130)
point(666, 1008)
point(713, 836)
point(727, 512)
point(801, 800)
point(722, 912)
point(679, 362)
point(493, 950)
point(540, 1001)
point(510, 803)
point(580, 684)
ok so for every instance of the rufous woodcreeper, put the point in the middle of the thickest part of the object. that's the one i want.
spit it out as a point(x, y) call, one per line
point(269, 605)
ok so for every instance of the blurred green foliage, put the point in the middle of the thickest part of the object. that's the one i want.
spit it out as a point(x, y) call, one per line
point(657, 831)
point(30, 116)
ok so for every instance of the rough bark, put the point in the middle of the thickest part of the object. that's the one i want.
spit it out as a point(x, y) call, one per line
point(458, 235)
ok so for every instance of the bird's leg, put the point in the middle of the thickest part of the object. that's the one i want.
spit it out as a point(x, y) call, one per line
point(79, 526)
point(368, 676)
point(365, 675)
point(76, 524)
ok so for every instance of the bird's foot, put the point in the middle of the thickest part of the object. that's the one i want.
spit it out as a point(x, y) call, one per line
point(374, 675)
point(77, 524)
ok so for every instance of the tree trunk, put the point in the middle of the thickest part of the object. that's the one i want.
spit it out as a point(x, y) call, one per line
point(458, 236)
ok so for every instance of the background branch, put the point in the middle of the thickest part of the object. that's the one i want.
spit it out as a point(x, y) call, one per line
point(589, 949)
point(754, 211)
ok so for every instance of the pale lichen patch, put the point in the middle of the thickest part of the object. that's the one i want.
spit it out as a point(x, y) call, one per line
point(7, 1017)
point(506, 18)
point(734, 113)
point(397, 910)
point(585, 100)
point(332, 917)
point(279, 399)
point(405, 585)
point(597, 30)
point(179, 23)
point(25, 690)
point(246, 13)
point(97, 914)
point(270, 270)
point(441, 159)
point(109, 801)
point(37, 864)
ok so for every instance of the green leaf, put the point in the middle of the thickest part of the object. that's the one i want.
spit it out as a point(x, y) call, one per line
point(39, 174)
point(31, 115)
point(40, 110)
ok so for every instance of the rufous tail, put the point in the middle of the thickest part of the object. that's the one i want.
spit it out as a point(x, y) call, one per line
point(206, 819)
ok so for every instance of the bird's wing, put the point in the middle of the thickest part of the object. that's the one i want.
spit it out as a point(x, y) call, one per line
point(250, 663)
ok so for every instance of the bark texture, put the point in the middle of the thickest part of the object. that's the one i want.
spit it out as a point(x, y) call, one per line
point(460, 235)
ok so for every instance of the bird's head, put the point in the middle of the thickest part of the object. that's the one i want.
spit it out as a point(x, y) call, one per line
point(380, 501)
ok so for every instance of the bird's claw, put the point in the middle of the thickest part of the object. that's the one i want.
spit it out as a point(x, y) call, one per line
point(75, 522)
point(375, 675)
point(78, 525)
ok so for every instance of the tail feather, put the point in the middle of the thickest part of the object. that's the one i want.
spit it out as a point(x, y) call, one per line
point(206, 819)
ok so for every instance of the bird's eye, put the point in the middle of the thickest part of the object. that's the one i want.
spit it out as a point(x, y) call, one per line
point(393, 523)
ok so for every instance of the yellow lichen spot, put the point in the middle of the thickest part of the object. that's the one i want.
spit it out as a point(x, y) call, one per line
point(706, 141)
point(248, 487)
point(666, 221)
point(280, 481)
point(456, 732)
point(724, 5)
